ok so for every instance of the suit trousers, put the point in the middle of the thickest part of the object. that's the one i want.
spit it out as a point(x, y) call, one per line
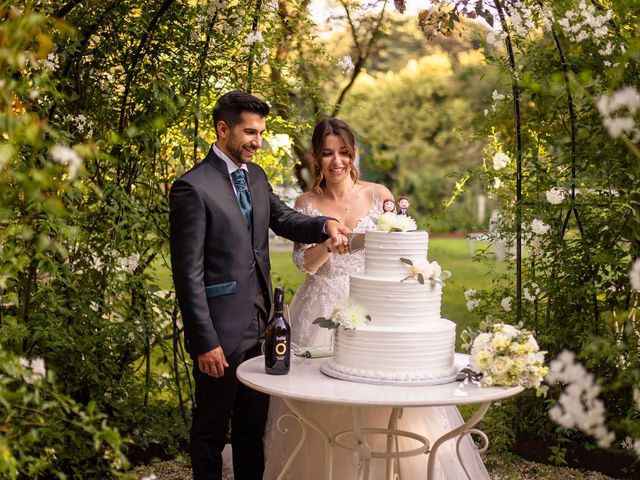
point(224, 398)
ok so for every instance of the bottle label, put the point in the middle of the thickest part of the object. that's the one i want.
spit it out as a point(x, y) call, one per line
point(280, 346)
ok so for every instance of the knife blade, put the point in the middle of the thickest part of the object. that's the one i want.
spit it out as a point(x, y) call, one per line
point(356, 242)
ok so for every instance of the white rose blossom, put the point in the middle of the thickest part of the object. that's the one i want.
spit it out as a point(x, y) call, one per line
point(390, 221)
point(531, 294)
point(555, 196)
point(386, 221)
point(616, 122)
point(68, 157)
point(507, 356)
point(506, 304)
point(469, 294)
point(578, 406)
point(472, 305)
point(405, 223)
point(349, 314)
point(37, 367)
point(428, 270)
point(539, 227)
point(129, 264)
point(500, 160)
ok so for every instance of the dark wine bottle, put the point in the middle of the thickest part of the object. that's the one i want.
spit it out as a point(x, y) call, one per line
point(277, 346)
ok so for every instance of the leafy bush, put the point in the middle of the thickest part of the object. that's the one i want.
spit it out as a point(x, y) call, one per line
point(564, 170)
point(44, 433)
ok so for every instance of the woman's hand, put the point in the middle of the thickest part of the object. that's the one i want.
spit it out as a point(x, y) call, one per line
point(337, 232)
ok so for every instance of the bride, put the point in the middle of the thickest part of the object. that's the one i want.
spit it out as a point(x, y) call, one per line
point(338, 192)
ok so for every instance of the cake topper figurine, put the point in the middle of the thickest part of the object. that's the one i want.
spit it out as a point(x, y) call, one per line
point(403, 205)
point(388, 205)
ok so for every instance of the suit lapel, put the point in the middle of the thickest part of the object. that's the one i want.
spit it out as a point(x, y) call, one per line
point(219, 164)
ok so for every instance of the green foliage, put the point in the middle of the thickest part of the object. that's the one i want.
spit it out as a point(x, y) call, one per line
point(102, 106)
point(576, 293)
point(45, 434)
point(412, 121)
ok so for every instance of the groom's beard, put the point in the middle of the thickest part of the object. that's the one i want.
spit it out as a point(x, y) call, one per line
point(241, 153)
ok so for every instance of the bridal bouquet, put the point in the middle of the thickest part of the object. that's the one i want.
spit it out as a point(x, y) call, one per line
point(347, 314)
point(391, 222)
point(504, 355)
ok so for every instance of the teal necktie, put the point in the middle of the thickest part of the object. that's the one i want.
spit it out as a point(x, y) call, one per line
point(242, 192)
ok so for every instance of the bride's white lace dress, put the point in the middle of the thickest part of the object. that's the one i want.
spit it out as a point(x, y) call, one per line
point(315, 298)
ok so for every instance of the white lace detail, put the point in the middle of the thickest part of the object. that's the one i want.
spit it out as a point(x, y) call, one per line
point(300, 248)
point(322, 288)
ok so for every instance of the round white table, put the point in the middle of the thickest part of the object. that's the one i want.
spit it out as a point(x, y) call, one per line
point(305, 383)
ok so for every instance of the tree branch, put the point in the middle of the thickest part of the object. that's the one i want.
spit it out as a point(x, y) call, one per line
point(363, 55)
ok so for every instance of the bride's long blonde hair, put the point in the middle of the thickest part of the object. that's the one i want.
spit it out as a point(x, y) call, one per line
point(331, 126)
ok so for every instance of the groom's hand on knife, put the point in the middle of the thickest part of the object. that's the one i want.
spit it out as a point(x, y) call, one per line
point(213, 362)
point(338, 234)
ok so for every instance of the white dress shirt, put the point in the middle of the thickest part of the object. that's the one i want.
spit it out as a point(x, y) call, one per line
point(231, 165)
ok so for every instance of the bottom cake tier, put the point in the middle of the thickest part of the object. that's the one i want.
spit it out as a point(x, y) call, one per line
point(391, 353)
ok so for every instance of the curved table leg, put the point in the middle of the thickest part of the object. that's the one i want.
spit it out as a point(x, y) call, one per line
point(304, 422)
point(364, 452)
point(461, 430)
point(391, 439)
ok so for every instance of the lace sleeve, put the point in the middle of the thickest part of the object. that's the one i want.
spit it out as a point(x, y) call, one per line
point(300, 248)
point(298, 256)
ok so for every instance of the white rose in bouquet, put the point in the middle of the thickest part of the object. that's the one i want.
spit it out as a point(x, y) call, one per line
point(508, 330)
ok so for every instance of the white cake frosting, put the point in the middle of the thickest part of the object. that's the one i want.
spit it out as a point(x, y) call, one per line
point(406, 339)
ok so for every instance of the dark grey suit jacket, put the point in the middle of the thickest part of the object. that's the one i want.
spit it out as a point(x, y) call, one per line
point(214, 257)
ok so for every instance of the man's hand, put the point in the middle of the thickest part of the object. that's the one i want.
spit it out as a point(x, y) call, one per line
point(213, 362)
point(338, 234)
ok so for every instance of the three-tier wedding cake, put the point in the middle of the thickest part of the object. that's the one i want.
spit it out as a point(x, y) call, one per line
point(405, 340)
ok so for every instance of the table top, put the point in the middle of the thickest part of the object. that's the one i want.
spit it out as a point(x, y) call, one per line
point(305, 382)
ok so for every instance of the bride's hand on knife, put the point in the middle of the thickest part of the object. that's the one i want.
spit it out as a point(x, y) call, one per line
point(337, 241)
point(339, 245)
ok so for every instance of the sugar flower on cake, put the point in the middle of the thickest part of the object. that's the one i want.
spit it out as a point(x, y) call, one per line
point(405, 223)
point(347, 314)
point(424, 271)
point(504, 355)
point(391, 222)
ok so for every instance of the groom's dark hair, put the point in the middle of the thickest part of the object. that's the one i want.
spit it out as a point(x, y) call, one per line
point(231, 105)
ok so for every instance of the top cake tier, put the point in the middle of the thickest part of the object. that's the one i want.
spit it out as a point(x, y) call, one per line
point(383, 251)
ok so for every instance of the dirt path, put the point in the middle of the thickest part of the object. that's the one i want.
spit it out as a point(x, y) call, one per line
point(501, 467)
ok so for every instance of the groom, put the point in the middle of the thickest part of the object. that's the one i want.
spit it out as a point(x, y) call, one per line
point(220, 214)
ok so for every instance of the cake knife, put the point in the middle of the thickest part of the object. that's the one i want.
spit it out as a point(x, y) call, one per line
point(356, 242)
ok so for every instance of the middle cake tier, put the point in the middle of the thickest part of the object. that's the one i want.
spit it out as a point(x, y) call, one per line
point(396, 303)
